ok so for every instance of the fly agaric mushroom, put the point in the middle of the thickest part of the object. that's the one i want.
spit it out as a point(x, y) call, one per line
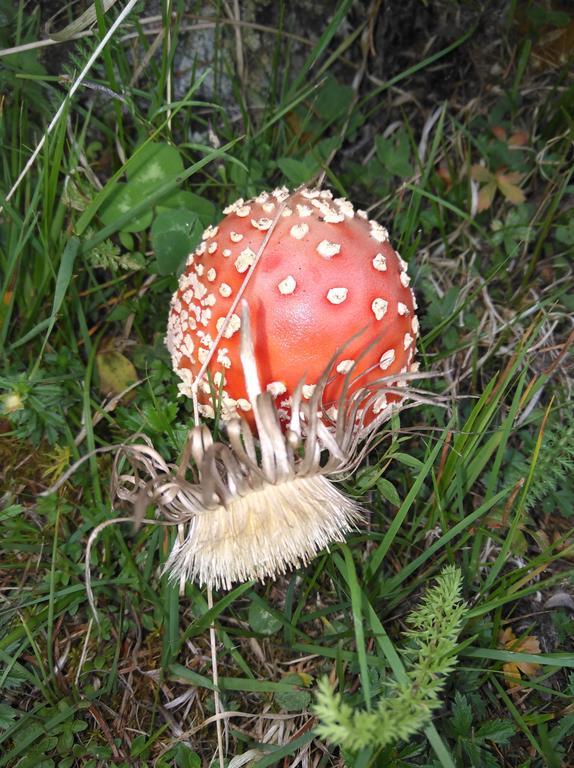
point(301, 312)
point(325, 273)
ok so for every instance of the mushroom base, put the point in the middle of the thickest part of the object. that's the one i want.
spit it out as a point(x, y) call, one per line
point(263, 534)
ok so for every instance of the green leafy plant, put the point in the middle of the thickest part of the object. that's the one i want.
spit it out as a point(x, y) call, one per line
point(108, 255)
point(554, 465)
point(394, 154)
point(515, 230)
point(472, 742)
point(297, 700)
point(35, 406)
point(406, 706)
point(176, 222)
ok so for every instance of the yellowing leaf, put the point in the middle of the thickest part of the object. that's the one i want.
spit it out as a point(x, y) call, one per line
point(513, 177)
point(480, 173)
point(486, 196)
point(115, 372)
point(510, 191)
point(306, 679)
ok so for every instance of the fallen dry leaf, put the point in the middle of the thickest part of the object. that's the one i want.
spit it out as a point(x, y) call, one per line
point(499, 132)
point(115, 373)
point(513, 669)
point(444, 174)
point(518, 139)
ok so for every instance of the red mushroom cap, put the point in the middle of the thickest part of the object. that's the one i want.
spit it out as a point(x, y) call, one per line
point(326, 273)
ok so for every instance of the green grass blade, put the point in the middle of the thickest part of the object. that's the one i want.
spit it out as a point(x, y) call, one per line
point(376, 559)
point(350, 575)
